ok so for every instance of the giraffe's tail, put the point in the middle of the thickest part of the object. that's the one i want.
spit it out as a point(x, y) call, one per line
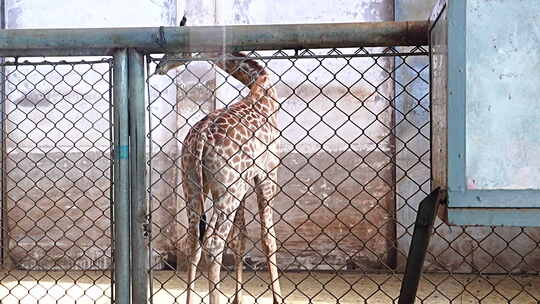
point(193, 178)
point(202, 227)
point(198, 154)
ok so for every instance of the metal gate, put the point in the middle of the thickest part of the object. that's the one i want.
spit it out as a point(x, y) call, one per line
point(57, 185)
point(335, 208)
point(64, 213)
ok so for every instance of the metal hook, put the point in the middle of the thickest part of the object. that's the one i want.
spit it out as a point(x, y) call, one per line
point(162, 41)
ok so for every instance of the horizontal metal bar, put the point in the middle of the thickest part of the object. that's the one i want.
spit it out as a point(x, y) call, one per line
point(60, 52)
point(439, 6)
point(526, 198)
point(494, 217)
point(212, 38)
point(55, 63)
point(300, 56)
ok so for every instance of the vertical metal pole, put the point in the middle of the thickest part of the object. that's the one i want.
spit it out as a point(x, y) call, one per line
point(121, 178)
point(149, 192)
point(139, 253)
point(4, 232)
point(392, 207)
point(419, 244)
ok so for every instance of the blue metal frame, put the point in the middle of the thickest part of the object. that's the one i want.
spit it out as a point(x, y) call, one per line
point(474, 207)
point(121, 180)
point(456, 96)
point(139, 212)
point(104, 41)
point(525, 217)
point(495, 198)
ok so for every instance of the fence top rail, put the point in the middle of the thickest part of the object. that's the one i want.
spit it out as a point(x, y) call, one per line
point(103, 41)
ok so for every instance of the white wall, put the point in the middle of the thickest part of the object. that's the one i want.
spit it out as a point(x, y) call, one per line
point(89, 13)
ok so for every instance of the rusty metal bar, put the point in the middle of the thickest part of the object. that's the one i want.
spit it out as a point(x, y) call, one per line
point(50, 42)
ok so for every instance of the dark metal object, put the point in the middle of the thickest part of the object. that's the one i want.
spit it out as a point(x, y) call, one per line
point(419, 244)
point(436, 12)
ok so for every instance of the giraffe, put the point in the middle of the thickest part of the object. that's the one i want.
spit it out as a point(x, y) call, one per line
point(224, 155)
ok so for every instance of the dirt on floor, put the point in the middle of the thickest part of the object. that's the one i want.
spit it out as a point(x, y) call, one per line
point(297, 288)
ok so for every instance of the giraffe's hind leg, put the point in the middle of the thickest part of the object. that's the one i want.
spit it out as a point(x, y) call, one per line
point(194, 234)
point(237, 244)
point(266, 189)
point(226, 203)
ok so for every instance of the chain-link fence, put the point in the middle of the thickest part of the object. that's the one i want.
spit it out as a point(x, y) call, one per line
point(56, 181)
point(354, 162)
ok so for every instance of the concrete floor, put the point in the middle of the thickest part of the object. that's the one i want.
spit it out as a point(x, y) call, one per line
point(321, 288)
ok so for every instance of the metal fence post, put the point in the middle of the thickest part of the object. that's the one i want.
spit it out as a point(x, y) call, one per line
point(4, 252)
point(121, 178)
point(139, 212)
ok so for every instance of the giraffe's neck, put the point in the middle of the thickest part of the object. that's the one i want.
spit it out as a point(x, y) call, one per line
point(250, 73)
point(241, 67)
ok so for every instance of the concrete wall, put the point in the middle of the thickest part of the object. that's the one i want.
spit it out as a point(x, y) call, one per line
point(58, 142)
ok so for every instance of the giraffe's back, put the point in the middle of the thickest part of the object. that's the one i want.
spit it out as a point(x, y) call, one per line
point(236, 143)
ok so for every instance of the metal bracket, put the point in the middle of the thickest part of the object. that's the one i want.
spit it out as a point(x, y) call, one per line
point(162, 41)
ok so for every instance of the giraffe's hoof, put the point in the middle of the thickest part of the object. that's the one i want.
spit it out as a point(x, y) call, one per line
point(276, 301)
point(238, 300)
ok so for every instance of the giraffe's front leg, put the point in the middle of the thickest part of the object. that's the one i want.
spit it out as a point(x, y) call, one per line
point(266, 191)
point(194, 254)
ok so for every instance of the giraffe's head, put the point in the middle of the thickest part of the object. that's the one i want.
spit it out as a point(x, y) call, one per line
point(170, 60)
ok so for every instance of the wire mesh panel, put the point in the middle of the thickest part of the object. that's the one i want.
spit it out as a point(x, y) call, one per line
point(56, 182)
point(353, 128)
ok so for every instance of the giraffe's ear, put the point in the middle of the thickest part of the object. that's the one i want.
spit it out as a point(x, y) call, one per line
point(183, 21)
